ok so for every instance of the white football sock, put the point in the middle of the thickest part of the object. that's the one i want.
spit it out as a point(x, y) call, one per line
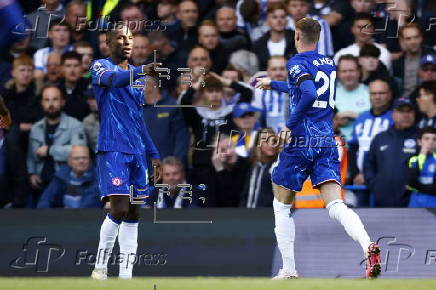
point(128, 241)
point(108, 235)
point(350, 221)
point(285, 234)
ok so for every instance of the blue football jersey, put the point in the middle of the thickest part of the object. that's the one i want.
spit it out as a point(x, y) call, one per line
point(122, 125)
point(317, 118)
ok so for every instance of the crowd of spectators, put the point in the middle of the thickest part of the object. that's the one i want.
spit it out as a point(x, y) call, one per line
point(219, 153)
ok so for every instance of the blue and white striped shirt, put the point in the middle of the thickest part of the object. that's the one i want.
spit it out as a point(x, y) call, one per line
point(274, 107)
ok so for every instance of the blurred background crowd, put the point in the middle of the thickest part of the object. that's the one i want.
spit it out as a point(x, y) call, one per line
point(212, 52)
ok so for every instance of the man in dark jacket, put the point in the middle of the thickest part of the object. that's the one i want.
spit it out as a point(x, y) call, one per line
point(184, 34)
point(277, 41)
point(74, 185)
point(25, 109)
point(386, 162)
point(406, 66)
point(74, 87)
point(165, 123)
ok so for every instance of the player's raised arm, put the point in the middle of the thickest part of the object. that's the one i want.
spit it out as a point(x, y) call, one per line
point(280, 86)
point(304, 82)
point(104, 76)
point(268, 84)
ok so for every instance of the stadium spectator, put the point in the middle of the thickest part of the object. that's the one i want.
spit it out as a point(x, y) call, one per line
point(74, 87)
point(134, 16)
point(53, 68)
point(230, 73)
point(427, 104)
point(174, 196)
point(166, 12)
point(365, 128)
point(257, 190)
point(363, 30)
point(165, 122)
point(341, 19)
point(50, 140)
point(404, 68)
point(426, 72)
point(245, 118)
point(245, 62)
point(141, 49)
point(396, 15)
point(166, 54)
point(91, 124)
point(278, 40)
point(85, 50)
point(273, 103)
point(59, 35)
point(352, 96)
point(251, 18)
point(372, 68)
point(184, 36)
point(199, 62)
point(208, 38)
point(298, 9)
point(73, 185)
point(75, 17)
point(386, 161)
point(21, 99)
point(230, 38)
point(421, 171)
point(234, 89)
point(7, 57)
point(50, 10)
point(103, 48)
point(228, 167)
point(212, 116)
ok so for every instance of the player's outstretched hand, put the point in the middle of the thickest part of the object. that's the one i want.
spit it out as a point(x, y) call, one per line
point(263, 83)
point(150, 69)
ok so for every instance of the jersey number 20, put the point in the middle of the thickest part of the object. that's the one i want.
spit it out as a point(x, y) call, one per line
point(328, 84)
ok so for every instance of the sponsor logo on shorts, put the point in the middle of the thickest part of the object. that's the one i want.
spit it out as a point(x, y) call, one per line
point(117, 181)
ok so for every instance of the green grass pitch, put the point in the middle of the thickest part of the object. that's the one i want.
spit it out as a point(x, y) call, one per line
point(202, 283)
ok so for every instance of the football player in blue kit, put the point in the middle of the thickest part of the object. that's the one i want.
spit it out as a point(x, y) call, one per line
point(311, 151)
point(122, 150)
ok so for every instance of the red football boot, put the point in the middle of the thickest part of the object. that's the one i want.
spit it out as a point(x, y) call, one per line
point(373, 268)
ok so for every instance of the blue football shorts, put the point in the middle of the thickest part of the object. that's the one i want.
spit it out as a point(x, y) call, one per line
point(295, 164)
point(118, 173)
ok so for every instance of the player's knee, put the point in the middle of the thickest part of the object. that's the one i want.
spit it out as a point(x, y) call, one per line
point(285, 199)
point(283, 195)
